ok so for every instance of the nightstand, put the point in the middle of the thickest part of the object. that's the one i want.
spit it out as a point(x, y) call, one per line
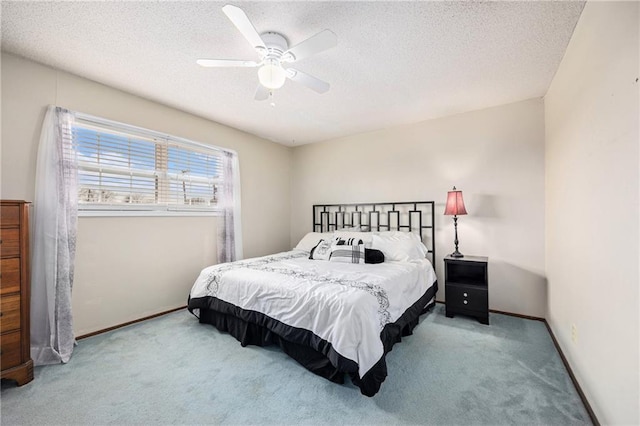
point(466, 286)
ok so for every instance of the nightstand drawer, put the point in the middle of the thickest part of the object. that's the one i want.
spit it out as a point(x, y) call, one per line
point(10, 352)
point(9, 242)
point(468, 297)
point(9, 313)
point(10, 276)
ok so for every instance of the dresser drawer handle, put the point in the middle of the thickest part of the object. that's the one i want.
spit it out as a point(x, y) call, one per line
point(464, 294)
point(465, 302)
point(1, 314)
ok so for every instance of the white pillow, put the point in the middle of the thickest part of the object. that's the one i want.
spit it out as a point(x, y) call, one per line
point(311, 240)
point(345, 235)
point(348, 241)
point(399, 246)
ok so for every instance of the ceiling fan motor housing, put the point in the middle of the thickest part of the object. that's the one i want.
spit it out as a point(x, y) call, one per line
point(276, 45)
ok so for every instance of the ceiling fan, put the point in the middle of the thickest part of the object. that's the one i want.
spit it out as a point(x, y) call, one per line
point(274, 51)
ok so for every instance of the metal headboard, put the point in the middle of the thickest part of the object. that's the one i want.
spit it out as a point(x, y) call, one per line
point(410, 216)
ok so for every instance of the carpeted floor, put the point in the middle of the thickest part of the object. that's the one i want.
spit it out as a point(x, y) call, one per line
point(173, 370)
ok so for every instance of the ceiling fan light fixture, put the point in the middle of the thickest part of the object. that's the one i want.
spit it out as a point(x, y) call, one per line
point(271, 75)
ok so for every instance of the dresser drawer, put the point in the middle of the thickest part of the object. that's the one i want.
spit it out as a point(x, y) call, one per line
point(9, 242)
point(10, 275)
point(468, 297)
point(9, 313)
point(15, 345)
point(10, 350)
point(10, 215)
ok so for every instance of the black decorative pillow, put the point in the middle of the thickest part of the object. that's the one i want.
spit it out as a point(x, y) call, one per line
point(322, 251)
point(373, 256)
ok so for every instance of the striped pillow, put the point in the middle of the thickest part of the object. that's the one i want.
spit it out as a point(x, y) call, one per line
point(347, 253)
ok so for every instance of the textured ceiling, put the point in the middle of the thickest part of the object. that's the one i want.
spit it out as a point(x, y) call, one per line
point(395, 63)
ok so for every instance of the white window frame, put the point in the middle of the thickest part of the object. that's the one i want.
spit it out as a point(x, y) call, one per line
point(137, 210)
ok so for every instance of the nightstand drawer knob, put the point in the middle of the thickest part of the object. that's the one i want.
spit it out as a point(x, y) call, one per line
point(465, 302)
point(464, 294)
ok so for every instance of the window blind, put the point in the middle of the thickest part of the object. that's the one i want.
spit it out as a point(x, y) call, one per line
point(121, 167)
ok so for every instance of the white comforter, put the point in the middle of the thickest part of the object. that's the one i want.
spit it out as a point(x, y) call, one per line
point(345, 304)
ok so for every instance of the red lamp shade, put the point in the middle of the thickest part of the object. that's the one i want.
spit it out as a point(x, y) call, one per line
point(455, 203)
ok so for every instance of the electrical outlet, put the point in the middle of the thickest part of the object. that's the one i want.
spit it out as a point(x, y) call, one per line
point(574, 333)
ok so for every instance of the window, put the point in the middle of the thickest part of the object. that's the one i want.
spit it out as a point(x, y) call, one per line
point(124, 168)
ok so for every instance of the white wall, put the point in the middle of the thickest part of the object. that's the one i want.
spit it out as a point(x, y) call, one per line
point(496, 156)
point(128, 268)
point(592, 215)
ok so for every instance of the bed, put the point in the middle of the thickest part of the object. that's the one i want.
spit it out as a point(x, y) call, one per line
point(330, 303)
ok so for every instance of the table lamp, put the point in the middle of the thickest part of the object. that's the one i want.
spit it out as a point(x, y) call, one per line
point(455, 207)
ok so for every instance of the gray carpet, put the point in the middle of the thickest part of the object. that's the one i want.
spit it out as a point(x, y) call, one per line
point(173, 370)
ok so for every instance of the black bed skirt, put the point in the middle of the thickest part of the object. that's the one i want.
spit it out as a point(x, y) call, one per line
point(314, 353)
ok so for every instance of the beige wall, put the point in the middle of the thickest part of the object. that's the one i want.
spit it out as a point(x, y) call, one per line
point(496, 156)
point(592, 216)
point(578, 153)
point(128, 268)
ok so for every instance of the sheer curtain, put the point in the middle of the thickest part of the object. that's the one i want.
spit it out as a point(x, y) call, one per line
point(55, 212)
point(230, 226)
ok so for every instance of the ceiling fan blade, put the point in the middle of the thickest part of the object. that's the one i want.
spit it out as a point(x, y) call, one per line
point(262, 93)
point(244, 25)
point(226, 63)
point(315, 44)
point(310, 81)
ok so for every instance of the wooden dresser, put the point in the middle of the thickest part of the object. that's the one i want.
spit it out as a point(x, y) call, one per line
point(15, 356)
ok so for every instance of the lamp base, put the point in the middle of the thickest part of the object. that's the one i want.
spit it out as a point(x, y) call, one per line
point(456, 254)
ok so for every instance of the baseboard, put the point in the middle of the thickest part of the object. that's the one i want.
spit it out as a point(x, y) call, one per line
point(84, 336)
point(511, 314)
point(583, 397)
